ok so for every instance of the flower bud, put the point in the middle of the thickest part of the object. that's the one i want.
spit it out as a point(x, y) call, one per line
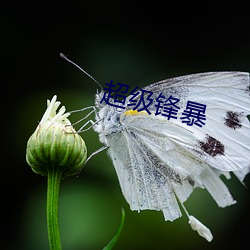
point(55, 144)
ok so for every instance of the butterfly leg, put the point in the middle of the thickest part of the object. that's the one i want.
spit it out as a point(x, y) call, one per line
point(81, 129)
point(86, 116)
point(91, 155)
point(96, 152)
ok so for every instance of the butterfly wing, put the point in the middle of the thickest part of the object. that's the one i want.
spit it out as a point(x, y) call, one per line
point(158, 159)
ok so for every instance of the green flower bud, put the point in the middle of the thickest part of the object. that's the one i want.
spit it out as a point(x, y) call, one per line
point(55, 144)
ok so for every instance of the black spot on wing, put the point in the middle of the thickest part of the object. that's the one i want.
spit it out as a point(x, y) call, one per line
point(233, 119)
point(212, 146)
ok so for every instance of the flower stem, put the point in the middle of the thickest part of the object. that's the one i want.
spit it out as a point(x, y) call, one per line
point(54, 177)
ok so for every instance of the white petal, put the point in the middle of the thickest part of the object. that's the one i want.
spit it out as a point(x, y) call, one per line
point(200, 228)
point(50, 109)
point(51, 114)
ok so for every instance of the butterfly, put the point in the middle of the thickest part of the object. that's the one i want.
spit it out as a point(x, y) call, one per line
point(160, 161)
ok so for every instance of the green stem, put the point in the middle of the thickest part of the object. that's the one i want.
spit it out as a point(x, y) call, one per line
point(54, 177)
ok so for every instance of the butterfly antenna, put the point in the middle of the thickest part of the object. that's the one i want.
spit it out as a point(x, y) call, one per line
point(68, 60)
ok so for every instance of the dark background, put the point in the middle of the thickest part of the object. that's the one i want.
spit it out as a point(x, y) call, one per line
point(135, 43)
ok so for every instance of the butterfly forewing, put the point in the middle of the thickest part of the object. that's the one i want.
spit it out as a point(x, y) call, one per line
point(224, 138)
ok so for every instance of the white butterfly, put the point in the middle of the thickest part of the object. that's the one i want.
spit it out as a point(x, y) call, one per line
point(159, 162)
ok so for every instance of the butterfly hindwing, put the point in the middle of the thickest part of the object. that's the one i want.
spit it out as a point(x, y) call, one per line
point(142, 184)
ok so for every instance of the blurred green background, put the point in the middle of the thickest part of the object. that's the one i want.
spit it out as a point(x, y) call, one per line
point(124, 41)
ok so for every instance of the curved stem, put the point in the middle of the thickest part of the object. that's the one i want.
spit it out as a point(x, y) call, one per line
point(54, 177)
